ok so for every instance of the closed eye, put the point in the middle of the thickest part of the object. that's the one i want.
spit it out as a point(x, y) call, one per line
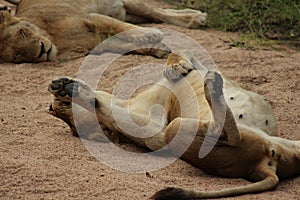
point(24, 32)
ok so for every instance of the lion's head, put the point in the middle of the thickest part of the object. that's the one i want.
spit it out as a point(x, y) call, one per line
point(22, 41)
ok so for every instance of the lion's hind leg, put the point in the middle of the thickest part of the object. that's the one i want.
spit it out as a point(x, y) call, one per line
point(179, 66)
point(99, 104)
point(230, 137)
point(186, 18)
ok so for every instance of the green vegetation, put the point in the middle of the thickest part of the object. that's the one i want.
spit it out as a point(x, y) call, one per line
point(266, 19)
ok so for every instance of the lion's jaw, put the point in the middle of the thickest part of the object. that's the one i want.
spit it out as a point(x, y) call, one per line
point(25, 42)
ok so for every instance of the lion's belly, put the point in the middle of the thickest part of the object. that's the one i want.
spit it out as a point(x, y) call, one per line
point(188, 99)
point(250, 109)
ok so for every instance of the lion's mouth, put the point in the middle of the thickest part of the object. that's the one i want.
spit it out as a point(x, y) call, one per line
point(44, 51)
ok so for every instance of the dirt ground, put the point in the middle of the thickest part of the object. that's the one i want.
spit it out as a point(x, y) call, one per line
point(40, 159)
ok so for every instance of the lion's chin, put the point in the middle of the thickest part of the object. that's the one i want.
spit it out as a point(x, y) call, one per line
point(52, 53)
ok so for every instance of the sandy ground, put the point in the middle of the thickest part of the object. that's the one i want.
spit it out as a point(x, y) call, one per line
point(40, 159)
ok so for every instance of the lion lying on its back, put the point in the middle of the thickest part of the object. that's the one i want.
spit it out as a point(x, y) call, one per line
point(46, 29)
point(200, 110)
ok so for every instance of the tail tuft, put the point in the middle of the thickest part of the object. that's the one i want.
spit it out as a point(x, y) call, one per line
point(170, 193)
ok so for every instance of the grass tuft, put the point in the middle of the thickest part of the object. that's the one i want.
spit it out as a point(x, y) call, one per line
point(268, 19)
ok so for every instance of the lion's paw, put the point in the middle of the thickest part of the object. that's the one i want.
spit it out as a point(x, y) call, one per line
point(198, 20)
point(152, 36)
point(178, 70)
point(70, 90)
point(213, 85)
point(188, 18)
point(63, 88)
point(158, 50)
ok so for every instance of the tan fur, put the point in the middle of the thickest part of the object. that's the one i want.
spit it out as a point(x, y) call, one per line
point(247, 148)
point(48, 29)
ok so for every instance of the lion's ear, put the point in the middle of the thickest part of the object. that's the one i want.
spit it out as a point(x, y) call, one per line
point(7, 19)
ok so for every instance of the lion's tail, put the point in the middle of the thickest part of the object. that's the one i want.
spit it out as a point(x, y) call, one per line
point(183, 194)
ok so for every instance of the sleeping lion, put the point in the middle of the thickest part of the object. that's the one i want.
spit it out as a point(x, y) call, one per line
point(44, 30)
point(244, 141)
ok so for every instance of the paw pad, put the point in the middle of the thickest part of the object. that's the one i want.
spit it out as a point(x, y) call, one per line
point(63, 87)
point(214, 84)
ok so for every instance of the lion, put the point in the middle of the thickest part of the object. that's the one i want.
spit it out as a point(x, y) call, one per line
point(247, 145)
point(62, 29)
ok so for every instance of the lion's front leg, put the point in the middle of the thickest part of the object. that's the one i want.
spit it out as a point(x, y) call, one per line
point(87, 127)
point(178, 66)
point(125, 38)
point(118, 45)
point(137, 127)
point(131, 33)
point(62, 107)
